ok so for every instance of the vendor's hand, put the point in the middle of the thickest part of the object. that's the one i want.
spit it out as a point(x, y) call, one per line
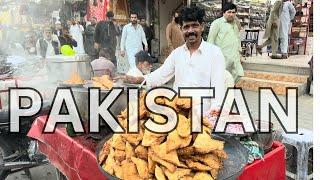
point(130, 79)
point(122, 53)
point(122, 77)
point(96, 45)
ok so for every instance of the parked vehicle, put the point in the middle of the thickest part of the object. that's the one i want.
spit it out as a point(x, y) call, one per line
point(17, 151)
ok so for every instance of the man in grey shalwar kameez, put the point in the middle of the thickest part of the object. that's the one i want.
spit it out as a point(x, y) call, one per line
point(272, 29)
point(286, 16)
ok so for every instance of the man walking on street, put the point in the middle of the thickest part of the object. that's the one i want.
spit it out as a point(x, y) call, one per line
point(148, 31)
point(76, 31)
point(89, 39)
point(173, 33)
point(287, 15)
point(132, 38)
point(224, 32)
point(272, 30)
point(105, 36)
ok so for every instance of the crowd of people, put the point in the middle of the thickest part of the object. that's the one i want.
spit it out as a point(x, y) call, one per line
point(101, 39)
point(97, 39)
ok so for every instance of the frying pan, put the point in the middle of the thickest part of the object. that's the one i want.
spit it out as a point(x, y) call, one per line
point(233, 166)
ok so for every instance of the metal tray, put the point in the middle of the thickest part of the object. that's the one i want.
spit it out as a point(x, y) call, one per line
point(71, 85)
point(89, 84)
point(233, 166)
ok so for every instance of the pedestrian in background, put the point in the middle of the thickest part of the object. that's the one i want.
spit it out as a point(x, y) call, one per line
point(89, 39)
point(48, 45)
point(66, 39)
point(287, 15)
point(76, 31)
point(131, 40)
point(174, 34)
point(148, 31)
point(224, 33)
point(105, 36)
point(272, 30)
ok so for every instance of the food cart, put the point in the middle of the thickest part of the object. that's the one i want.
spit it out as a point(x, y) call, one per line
point(81, 160)
point(79, 156)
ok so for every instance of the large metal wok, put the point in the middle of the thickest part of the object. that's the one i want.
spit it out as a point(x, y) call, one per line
point(232, 167)
point(60, 68)
point(81, 97)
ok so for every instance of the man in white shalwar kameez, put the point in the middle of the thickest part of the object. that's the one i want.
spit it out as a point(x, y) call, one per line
point(131, 41)
point(76, 31)
point(287, 14)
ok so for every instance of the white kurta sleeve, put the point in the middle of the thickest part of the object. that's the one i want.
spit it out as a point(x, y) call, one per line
point(292, 11)
point(123, 38)
point(163, 74)
point(218, 78)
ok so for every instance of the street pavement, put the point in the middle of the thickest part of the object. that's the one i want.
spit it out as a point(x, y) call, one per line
point(305, 114)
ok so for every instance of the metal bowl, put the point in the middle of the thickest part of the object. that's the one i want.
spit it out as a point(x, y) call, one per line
point(60, 68)
point(233, 166)
point(264, 140)
point(82, 100)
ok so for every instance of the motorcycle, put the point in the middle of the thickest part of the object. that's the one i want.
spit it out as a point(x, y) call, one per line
point(17, 151)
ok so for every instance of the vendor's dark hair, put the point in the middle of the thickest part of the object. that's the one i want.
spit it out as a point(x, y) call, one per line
point(193, 13)
point(229, 6)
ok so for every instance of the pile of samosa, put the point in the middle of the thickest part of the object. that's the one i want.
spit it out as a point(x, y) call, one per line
point(179, 154)
point(104, 82)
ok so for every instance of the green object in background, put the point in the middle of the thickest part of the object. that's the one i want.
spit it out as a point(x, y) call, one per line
point(67, 50)
point(255, 152)
point(70, 130)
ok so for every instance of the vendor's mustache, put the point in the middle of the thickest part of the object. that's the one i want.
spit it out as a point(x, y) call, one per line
point(191, 34)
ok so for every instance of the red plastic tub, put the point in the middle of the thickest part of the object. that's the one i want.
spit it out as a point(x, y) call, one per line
point(272, 167)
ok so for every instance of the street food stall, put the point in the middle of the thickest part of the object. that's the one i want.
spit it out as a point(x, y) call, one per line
point(149, 155)
point(84, 164)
